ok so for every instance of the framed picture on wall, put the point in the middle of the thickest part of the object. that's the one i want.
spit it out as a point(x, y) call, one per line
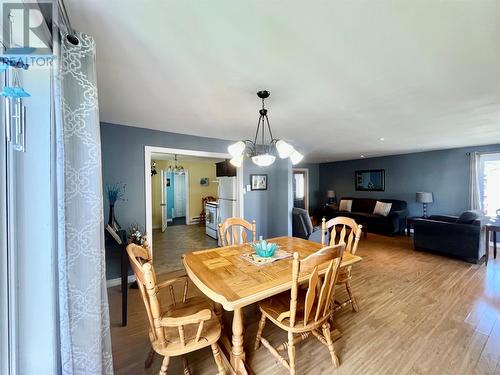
point(258, 181)
point(370, 180)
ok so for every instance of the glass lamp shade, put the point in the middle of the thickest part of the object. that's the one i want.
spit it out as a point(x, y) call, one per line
point(237, 161)
point(284, 149)
point(263, 160)
point(296, 157)
point(236, 149)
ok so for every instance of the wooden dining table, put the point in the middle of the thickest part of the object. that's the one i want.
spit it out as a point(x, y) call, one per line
point(228, 279)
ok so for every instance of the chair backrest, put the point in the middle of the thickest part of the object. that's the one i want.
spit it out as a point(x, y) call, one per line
point(349, 233)
point(142, 265)
point(139, 256)
point(319, 296)
point(301, 223)
point(233, 231)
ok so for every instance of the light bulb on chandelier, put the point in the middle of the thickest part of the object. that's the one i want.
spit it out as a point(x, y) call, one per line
point(263, 154)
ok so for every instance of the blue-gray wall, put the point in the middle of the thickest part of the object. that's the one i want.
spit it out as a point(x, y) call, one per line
point(123, 161)
point(445, 173)
point(275, 202)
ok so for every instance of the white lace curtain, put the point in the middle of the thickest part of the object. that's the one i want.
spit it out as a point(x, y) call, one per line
point(474, 193)
point(83, 304)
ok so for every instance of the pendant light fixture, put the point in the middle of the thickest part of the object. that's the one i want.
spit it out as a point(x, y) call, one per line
point(177, 169)
point(264, 148)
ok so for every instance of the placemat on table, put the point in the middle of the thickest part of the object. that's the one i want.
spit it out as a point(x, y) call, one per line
point(260, 261)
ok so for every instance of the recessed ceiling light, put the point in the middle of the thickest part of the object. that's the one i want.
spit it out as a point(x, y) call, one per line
point(381, 139)
point(361, 156)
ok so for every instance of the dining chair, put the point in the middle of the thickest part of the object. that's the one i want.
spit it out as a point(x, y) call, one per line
point(301, 312)
point(182, 326)
point(233, 231)
point(343, 229)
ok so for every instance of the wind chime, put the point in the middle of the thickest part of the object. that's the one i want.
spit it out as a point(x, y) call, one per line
point(14, 93)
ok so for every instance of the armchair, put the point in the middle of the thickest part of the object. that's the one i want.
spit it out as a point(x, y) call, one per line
point(302, 226)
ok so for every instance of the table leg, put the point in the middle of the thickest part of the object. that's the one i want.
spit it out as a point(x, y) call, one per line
point(494, 244)
point(124, 285)
point(237, 351)
point(487, 240)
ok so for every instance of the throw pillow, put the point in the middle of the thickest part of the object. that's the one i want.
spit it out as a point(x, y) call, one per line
point(382, 208)
point(467, 217)
point(345, 205)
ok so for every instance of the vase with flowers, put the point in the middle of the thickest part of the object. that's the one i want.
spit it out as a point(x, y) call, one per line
point(115, 193)
point(136, 235)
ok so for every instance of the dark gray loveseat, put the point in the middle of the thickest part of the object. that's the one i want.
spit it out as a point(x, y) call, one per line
point(460, 237)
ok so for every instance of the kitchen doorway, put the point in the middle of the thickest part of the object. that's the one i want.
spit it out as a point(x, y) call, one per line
point(179, 217)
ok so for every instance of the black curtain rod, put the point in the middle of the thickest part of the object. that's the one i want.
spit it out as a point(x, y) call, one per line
point(72, 38)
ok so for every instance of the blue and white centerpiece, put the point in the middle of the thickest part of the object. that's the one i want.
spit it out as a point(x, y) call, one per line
point(264, 249)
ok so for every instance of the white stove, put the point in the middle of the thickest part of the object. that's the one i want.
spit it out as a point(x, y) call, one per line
point(211, 219)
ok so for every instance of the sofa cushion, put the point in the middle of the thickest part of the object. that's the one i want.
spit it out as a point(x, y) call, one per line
point(363, 205)
point(345, 205)
point(382, 208)
point(468, 217)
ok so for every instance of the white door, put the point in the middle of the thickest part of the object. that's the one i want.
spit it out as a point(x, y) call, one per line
point(163, 200)
point(179, 195)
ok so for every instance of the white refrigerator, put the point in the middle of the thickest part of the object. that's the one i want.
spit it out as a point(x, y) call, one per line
point(227, 198)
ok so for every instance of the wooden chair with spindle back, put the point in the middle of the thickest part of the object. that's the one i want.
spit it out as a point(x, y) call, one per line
point(180, 328)
point(233, 231)
point(343, 229)
point(301, 311)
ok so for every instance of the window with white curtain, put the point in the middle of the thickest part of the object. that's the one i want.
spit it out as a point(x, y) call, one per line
point(489, 183)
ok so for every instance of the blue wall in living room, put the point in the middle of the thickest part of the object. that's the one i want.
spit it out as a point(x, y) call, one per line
point(445, 173)
point(123, 162)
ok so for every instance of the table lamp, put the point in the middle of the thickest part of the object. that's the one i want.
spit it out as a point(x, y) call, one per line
point(424, 198)
point(331, 196)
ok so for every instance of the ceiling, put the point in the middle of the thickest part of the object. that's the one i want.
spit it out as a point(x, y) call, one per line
point(423, 75)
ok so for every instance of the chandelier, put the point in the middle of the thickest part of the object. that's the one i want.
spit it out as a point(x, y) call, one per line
point(177, 169)
point(263, 153)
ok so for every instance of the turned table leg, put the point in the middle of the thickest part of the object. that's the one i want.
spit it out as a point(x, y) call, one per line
point(487, 240)
point(494, 244)
point(237, 352)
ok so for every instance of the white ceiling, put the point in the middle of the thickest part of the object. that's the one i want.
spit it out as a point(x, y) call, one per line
point(422, 74)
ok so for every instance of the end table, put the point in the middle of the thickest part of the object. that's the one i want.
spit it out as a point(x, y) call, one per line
point(409, 223)
point(493, 225)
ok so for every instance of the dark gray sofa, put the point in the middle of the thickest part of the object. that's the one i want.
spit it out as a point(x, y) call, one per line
point(362, 212)
point(459, 237)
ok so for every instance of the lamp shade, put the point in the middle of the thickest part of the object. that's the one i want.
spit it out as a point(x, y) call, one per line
point(330, 194)
point(424, 197)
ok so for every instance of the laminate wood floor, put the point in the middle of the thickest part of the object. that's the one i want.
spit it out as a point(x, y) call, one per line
point(419, 314)
point(169, 246)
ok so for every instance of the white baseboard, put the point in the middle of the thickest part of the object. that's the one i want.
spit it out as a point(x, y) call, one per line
point(118, 281)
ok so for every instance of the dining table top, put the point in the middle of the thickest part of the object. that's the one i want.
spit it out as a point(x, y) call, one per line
point(226, 277)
